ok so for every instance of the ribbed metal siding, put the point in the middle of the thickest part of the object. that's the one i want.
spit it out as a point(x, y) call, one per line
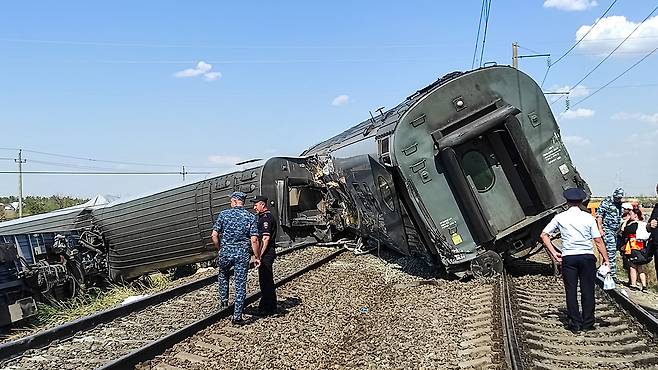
point(170, 228)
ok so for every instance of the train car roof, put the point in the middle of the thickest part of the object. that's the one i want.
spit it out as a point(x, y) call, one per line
point(22, 225)
point(373, 126)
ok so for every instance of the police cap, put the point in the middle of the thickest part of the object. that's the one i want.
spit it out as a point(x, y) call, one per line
point(258, 198)
point(618, 193)
point(239, 196)
point(575, 195)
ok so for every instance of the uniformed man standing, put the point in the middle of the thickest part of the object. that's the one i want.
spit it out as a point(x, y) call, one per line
point(237, 228)
point(608, 218)
point(577, 230)
point(267, 235)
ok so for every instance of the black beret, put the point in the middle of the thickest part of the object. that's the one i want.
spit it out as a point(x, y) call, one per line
point(575, 194)
point(258, 198)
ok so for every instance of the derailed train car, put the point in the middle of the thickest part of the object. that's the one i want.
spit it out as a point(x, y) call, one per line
point(474, 162)
point(461, 172)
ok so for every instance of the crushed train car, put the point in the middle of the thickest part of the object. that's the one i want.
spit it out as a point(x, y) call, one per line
point(461, 172)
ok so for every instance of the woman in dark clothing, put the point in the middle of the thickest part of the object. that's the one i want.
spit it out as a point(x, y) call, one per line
point(634, 249)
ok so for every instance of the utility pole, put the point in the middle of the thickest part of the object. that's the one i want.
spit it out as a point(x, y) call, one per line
point(183, 173)
point(20, 162)
point(515, 55)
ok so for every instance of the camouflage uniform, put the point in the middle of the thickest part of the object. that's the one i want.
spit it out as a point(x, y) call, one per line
point(236, 226)
point(610, 213)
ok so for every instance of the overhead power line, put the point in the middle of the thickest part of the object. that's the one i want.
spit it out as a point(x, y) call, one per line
point(477, 37)
point(104, 173)
point(551, 64)
point(96, 160)
point(486, 27)
point(609, 55)
point(585, 35)
point(616, 78)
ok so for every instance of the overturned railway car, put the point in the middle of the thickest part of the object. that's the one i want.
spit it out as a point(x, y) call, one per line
point(461, 172)
point(468, 168)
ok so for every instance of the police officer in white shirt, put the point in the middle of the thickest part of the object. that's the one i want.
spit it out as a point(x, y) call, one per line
point(577, 230)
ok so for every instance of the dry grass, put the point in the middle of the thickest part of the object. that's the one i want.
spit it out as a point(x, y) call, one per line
point(94, 300)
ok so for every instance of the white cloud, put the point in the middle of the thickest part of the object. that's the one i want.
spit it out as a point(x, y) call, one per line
point(212, 76)
point(340, 100)
point(570, 5)
point(578, 92)
point(610, 31)
point(643, 117)
point(575, 140)
point(202, 69)
point(224, 160)
point(576, 114)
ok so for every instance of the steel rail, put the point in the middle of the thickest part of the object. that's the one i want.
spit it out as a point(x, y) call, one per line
point(157, 347)
point(510, 341)
point(67, 330)
point(647, 319)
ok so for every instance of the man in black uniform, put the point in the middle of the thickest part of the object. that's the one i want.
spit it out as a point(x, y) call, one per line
point(267, 234)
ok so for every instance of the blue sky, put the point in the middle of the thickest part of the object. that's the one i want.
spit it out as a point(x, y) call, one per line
point(123, 81)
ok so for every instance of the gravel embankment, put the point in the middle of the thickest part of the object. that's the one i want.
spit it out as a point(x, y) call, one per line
point(355, 312)
point(105, 342)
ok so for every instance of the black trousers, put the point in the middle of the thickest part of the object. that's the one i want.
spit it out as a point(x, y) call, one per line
point(579, 269)
point(266, 279)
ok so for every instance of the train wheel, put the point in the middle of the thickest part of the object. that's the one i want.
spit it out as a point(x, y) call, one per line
point(487, 265)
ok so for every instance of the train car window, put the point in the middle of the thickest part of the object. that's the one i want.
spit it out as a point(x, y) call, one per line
point(293, 197)
point(476, 166)
point(386, 193)
point(384, 148)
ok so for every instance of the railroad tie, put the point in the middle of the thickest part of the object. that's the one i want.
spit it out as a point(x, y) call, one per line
point(477, 363)
point(223, 339)
point(591, 348)
point(163, 366)
point(209, 346)
point(578, 339)
point(186, 356)
point(607, 329)
point(625, 361)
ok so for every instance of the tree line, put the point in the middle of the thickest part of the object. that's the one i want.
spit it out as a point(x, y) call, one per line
point(34, 205)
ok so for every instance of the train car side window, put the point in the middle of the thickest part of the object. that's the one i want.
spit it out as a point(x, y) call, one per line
point(476, 166)
point(386, 193)
point(384, 148)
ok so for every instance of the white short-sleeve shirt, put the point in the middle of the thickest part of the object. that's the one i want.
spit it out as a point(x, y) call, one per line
point(577, 229)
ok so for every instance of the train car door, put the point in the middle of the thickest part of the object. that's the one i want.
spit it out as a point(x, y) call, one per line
point(372, 187)
point(487, 178)
point(389, 204)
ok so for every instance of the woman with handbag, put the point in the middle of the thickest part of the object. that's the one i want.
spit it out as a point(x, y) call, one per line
point(635, 249)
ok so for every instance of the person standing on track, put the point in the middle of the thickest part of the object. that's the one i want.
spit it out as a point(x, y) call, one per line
point(608, 218)
point(237, 229)
point(577, 230)
point(267, 234)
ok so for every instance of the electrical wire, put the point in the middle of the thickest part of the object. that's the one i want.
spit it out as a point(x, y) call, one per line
point(71, 165)
point(102, 173)
point(608, 56)
point(585, 35)
point(548, 67)
point(477, 37)
point(486, 27)
point(616, 78)
point(102, 160)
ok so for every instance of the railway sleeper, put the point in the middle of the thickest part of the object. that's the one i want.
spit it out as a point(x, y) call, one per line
point(570, 338)
point(603, 349)
point(606, 329)
point(630, 361)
